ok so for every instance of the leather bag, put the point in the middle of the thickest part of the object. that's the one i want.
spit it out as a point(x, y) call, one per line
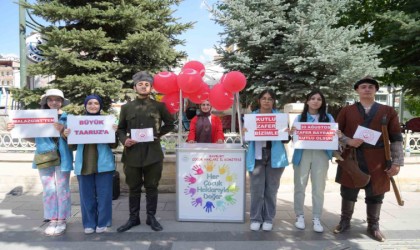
point(48, 159)
point(351, 166)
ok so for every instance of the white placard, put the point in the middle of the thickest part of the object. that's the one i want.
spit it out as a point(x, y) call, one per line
point(315, 135)
point(266, 127)
point(211, 184)
point(34, 123)
point(142, 135)
point(368, 135)
point(90, 129)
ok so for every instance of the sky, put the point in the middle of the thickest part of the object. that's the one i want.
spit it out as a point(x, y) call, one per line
point(199, 45)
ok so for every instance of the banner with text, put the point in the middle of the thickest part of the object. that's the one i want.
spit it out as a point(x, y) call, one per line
point(211, 186)
point(34, 123)
point(315, 135)
point(266, 127)
point(90, 129)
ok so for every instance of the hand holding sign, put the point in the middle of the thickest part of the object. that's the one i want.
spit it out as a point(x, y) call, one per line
point(142, 135)
point(369, 136)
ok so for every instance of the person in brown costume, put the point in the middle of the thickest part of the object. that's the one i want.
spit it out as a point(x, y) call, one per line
point(371, 158)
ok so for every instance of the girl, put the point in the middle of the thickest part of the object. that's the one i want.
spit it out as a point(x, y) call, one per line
point(94, 167)
point(55, 179)
point(311, 162)
point(265, 161)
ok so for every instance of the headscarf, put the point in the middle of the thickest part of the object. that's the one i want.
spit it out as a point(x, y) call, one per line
point(96, 97)
point(203, 127)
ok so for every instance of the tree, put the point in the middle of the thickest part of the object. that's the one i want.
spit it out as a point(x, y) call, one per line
point(397, 27)
point(96, 46)
point(295, 46)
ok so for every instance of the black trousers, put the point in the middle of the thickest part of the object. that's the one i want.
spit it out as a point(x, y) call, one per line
point(350, 194)
point(147, 176)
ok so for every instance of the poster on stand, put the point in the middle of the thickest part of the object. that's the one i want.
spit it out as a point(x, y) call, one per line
point(211, 182)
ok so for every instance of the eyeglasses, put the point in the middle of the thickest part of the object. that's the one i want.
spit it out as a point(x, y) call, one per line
point(205, 104)
point(54, 100)
point(267, 99)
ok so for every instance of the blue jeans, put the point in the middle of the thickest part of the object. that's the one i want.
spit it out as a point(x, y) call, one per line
point(96, 199)
point(265, 182)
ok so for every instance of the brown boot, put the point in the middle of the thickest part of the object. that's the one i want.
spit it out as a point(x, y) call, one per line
point(373, 211)
point(347, 208)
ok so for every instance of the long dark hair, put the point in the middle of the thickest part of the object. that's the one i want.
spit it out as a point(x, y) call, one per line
point(272, 95)
point(322, 111)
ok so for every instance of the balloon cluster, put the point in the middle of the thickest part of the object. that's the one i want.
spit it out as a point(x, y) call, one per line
point(190, 82)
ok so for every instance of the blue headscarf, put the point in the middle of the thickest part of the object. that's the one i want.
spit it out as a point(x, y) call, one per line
point(89, 97)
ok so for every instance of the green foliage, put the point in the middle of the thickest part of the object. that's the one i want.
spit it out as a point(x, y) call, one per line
point(294, 47)
point(412, 104)
point(397, 27)
point(96, 46)
point(28, 98)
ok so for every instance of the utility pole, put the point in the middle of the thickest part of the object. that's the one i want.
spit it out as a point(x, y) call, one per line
point(22, 43)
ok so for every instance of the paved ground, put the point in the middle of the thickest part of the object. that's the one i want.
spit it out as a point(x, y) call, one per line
point(21, 227)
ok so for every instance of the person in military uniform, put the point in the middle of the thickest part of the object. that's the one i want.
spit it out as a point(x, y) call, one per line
point(143, 161)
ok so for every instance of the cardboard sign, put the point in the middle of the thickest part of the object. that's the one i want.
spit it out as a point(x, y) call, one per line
point(369, 136)
point(34, 123)
point(315, 135)
point(90, 129)
point(266, 127)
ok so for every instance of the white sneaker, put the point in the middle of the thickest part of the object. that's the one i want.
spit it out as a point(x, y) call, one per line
point(51, 228)
point(267, 226)
point(255, 226)
point(300, 222)
point(100, 230)
point(317, 225)
point(89, 230)
point(60, 228)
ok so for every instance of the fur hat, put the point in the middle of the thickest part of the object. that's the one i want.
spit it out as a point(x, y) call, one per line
point(142, 76)
point(369, 80)
point(53, 92)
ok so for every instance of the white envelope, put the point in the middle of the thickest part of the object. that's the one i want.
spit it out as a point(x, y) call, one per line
point(142, 135)
point(368, 135)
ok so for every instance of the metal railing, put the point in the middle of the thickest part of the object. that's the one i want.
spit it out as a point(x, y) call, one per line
point(412, 143)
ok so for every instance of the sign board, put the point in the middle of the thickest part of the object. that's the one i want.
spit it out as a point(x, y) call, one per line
point(34, 123)
point(211, 182)
point(266, 127)
point(89, 129)
point(142, 134)
point(33, 52)
point(369, 136)
point(315, 135)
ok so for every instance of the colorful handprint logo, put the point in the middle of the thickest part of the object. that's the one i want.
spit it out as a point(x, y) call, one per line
point(202, 173)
